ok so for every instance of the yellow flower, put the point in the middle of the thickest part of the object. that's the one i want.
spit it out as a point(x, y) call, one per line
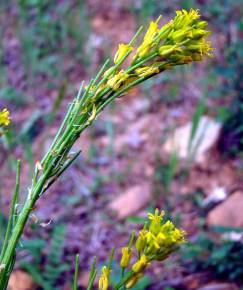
point(151, 32)
point(199, 33)
point(116, 81)
point(178, 236)
point(156, 220)
point(104, 278)
point(126, 256)
point(152, 245)
point(201, 24)
point(146, 71)
point(193, 14)
point(141, 241)
point(181, 35)
point(167, 227)
point(166, 30)
point(203, 47)
point(140, 265)
point(184, 18)
point(144, 49)
point(166, 50)
point(123, 49)
point(148, 40)
point(4, 118)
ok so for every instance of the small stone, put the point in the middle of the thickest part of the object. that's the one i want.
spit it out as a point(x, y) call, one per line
point(83, 279)
point(228, 213)
point(20, 280)
point(218, 194)
point(219, 286)
point(205, 138)
point(134, 199)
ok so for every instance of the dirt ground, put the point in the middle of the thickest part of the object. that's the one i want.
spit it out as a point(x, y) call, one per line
point(122, 152)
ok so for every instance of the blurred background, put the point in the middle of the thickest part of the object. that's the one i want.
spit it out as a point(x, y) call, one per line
point(174, 143)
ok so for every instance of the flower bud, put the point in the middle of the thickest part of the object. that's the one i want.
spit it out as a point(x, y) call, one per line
point(133, 280)
point(201, 24)
point(151, 32)
point(166, 50)
point(104, 278)
point(166, 30)
point(144, 49)
point(199, 33)
point(180, 35)
point(146, 71)
point(123, 49)
point(140, 265)
point(116, 81)
point(126, 256)
point(156, 219)
point(141, 241)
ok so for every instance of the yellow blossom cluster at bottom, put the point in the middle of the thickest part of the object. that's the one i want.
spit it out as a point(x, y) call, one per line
point(155, 242)
point(4, 118)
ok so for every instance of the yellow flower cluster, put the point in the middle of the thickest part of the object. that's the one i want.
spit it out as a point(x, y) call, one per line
point(4, 118)
point(155, 244)
point(180, 41)
point(185, 38)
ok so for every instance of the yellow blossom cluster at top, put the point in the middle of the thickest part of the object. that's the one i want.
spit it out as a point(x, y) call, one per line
point(4, 118)
point(155, 242)
point(180, 41)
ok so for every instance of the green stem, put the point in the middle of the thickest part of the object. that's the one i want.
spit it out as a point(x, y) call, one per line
point(12, 210)
point(124, 280)
point(75, 282)
point(19, 227)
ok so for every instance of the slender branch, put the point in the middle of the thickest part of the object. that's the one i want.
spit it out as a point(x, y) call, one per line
point(75, 282)
point(12, 210)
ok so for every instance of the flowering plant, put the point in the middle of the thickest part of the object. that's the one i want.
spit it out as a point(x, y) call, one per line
point(155, 242)
point(180, 41)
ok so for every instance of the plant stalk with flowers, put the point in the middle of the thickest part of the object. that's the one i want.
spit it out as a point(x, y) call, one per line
point(180, 41)
point(155, 242)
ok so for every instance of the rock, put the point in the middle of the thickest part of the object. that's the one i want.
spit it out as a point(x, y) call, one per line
point(205, 138)
point(218, 194)
point(193, 281)
point(219, 286)
point(134, 199)
point(233, 236)
point(228, 213)
point(20, 280)
point(83, 279)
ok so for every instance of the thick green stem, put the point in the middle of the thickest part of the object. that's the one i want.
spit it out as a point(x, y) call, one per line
point(19, 227)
